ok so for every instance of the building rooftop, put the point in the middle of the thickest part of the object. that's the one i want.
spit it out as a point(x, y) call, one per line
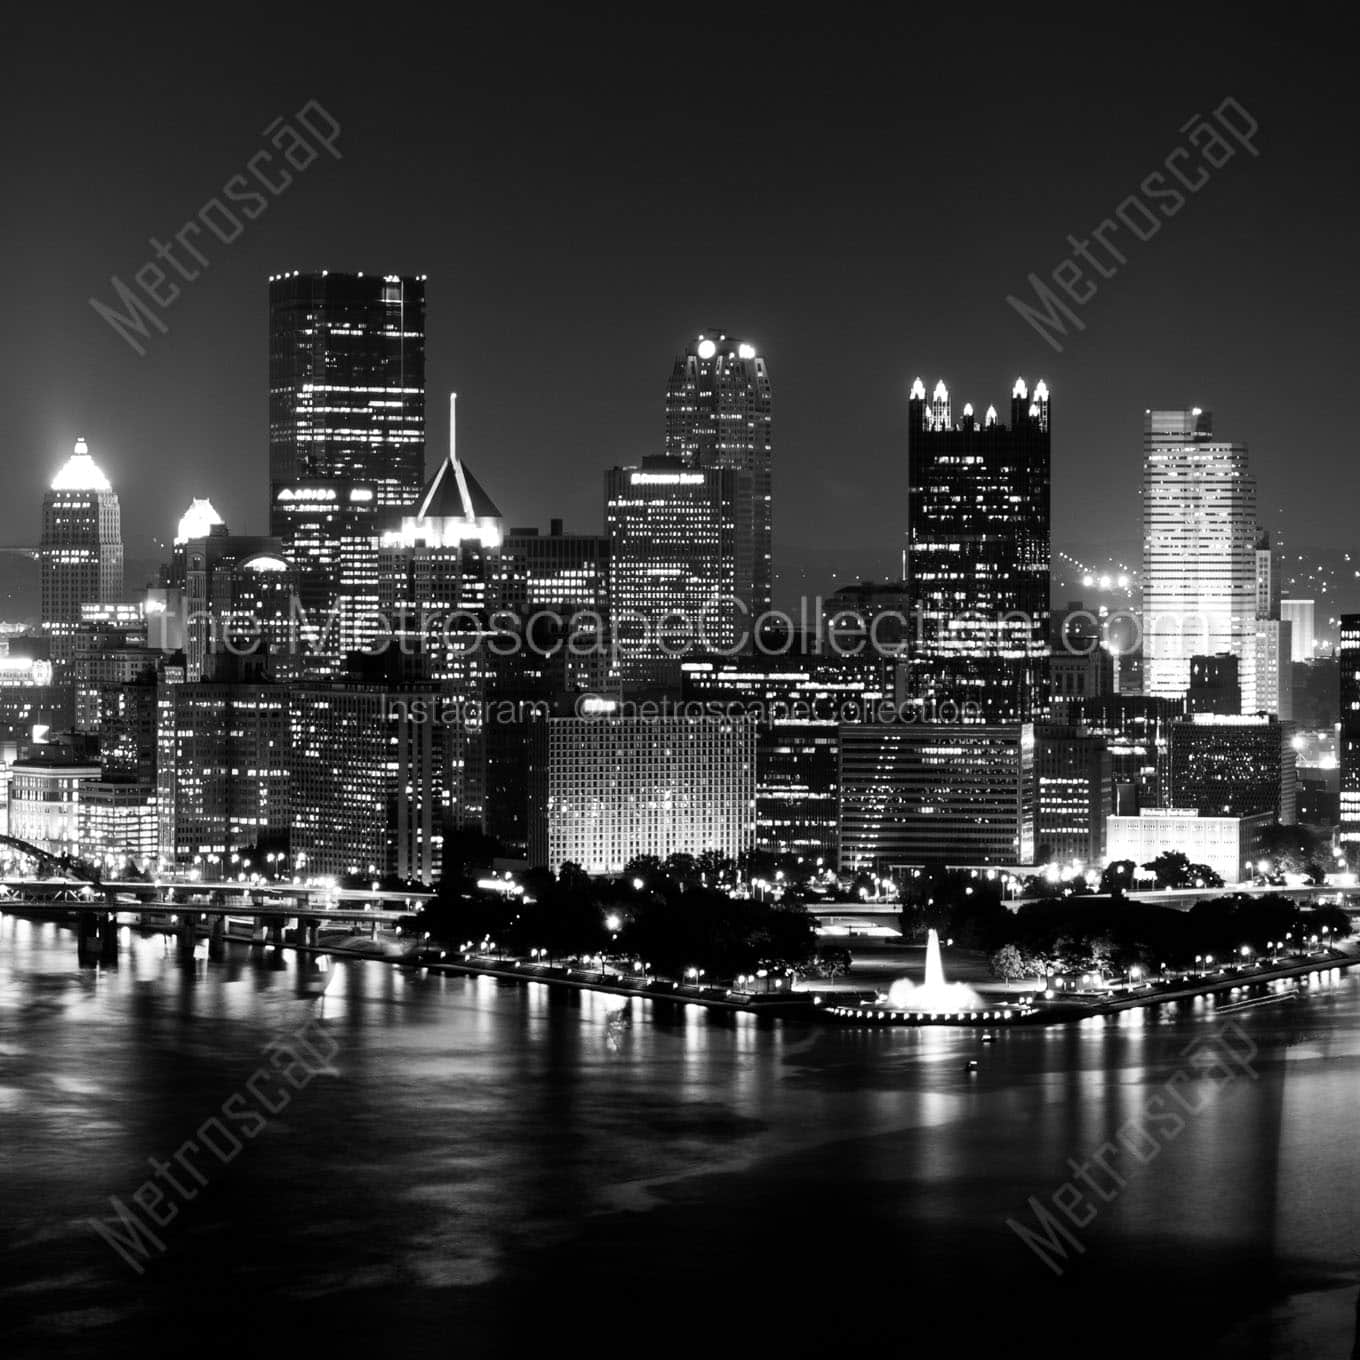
point(81, 472)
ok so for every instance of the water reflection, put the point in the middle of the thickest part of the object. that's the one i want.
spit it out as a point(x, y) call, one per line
point(473, 1135)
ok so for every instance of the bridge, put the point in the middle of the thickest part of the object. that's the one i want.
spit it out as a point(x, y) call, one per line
point(188, 908)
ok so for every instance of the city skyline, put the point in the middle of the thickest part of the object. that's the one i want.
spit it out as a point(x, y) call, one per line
point(648, 655)
point(842, 343)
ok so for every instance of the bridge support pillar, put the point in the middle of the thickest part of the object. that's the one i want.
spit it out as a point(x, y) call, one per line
point(260, 931)
point(87, 937)
point(108, 938)
point(373, 930)
point(313, 933)
point(275, 931)
point(217, 937)
point(188, 931)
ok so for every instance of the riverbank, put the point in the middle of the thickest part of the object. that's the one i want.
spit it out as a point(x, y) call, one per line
point(790, 1004)
point(1209, 984)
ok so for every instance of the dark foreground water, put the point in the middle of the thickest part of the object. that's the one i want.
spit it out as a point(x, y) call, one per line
point(484, 1169)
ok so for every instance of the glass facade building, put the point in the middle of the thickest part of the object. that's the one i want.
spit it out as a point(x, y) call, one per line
point(676, 582)
point(1199, 552)
point(977, 561)
point(911, 793)
point(718, 416)
point(346, 429)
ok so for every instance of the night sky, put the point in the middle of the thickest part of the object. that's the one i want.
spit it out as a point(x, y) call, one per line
point(857, 197)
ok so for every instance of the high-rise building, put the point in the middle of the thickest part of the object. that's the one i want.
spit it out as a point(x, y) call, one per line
point(222, 764)
point(977, 553)
point(80, 554)
point(604, 788)
point(718, 416)
point(1233, 765)
point(911, 793)
point(1215, 685)
point(440, 573)
point(239, 593)
point(1301, 616)
point(439, 587)
point(346, 429)
point(676, 583)
point(374, 779)
point(347, 383)
point(1199, 551)
point(799, 703)
point(1348, 743)
point(1073, 795)
point(1136, 729)
point(556, 569)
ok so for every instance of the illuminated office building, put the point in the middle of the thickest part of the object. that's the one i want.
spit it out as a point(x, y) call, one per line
point(347, 383)
point(80, 554)
point(1199, 552)
point(604, 789)
point(346, 432)
point(1136, 730)
point(912, 793)
point(1224, 844)
point(222, 766)
point(556, 585)
point(1233, 765)
point(798, 703)
point(28, 698)
point(1074, 795)
point(718, 416)
point(676, 582)
point(977, 553)
point(375, 782)
point(439, 586)
point(1348, 743)
point(238, 593)
point(44, 801)
point(440, 573)
point(555, 570)
point(117, 821)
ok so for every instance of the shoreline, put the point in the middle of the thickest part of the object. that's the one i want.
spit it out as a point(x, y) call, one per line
point(793, 1004)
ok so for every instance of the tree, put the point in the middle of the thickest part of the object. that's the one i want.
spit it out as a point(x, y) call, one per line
point(1008, 964)
point(1118, 877)
point(646, 867)
point(830, 961)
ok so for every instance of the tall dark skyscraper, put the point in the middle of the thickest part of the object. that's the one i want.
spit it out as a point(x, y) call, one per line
point(718, 416)
point(346, 427)
point(977, 556)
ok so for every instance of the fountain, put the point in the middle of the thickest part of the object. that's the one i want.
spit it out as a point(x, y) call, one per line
point(932, 1002)
point(934, 995)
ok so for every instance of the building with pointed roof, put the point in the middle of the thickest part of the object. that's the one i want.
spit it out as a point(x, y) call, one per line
point(80, 553)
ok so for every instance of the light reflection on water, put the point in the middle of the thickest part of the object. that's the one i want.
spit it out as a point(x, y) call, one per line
point(473, 1134)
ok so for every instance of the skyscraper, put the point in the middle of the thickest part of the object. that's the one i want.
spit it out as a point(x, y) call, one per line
point(80, 554)
point(346, 427)
point(1199, 551)
point(718, 416)
point(676, 579)
point(977, 553)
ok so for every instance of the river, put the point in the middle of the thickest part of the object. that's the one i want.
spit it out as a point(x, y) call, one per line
point(485, 1169)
